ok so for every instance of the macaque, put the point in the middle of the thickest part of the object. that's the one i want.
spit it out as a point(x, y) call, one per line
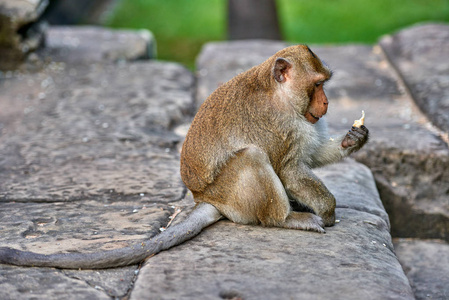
point(248, 156)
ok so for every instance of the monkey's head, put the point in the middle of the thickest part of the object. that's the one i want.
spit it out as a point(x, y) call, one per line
point(301, 74)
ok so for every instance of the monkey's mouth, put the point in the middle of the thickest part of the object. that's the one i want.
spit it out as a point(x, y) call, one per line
point(316, 118)
point(311, 117)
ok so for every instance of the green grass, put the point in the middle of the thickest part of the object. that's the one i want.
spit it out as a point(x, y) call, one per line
point(343, 21)
point(181, 27)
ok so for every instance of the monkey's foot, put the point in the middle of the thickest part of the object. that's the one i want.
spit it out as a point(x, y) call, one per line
point(304, 221)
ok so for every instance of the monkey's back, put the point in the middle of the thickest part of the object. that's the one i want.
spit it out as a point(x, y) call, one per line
point(218, 130)
point(229, 120)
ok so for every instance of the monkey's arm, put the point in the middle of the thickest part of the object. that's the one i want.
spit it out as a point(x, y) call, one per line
point(330, 152)
point(304, 187)
point(334, 149)
point(202, 216)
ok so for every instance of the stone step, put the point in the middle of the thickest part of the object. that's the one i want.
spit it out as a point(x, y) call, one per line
point(76, 131)
point(352, 260)
point(425, 262)
point(421, 55)
point(88, 161)
point(94, 44)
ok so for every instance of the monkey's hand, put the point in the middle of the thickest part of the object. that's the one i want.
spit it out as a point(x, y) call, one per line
point(355, 138)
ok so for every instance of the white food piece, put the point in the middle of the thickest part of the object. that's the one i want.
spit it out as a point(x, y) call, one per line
point(361, 121)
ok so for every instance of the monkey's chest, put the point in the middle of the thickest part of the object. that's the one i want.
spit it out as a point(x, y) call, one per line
point(300, 149)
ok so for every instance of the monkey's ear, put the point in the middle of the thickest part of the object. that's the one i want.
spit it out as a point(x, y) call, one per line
point(280, 69)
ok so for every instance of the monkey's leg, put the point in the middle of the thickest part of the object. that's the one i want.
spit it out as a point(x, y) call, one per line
point(304, 187)
point(248, 191)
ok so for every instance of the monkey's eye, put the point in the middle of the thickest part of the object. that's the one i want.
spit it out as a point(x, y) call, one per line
point(317, 84)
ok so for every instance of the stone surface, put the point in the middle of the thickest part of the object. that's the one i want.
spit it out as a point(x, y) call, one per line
point(353, 260)
point(85, 226)
point(421, 55)
point(426, 264)
point(87, 44)
point(409, 161)
point(85, 131)
point(48, 283)
point(19, 32)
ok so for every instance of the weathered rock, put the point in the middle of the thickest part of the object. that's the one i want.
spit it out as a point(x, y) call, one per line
point(19, 32)
point(85, 132)
point(48, 283)
point(421, 55)
point(426, 264)
point(81, 226)
point(353, 260)
point(409, 161)
point(88, 44)
point(88, 162)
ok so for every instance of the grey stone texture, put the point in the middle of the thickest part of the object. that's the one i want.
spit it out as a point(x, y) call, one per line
point(47, 283)
point(75, 131)
point(20, 32)
point(421, 55)
point(86, 44)
point(426, 263)
point(89, 161)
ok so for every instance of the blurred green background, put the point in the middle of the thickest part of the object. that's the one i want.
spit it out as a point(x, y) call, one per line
point(181, 27)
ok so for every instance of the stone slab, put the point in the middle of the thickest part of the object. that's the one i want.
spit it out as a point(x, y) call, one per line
point(88, 161)
point(426, 264)
point(48, 283)
point(80, 226)
point(87, 131)
point(88, 44)
point(421, 55)
point(353, 260)
point(409, 160)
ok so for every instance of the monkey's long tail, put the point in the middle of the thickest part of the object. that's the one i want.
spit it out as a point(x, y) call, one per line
point(202, 216)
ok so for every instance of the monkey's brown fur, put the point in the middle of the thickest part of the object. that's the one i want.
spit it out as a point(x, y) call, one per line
point(247, 156)
point(252, 144)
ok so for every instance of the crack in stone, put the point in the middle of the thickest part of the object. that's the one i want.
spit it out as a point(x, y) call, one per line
point(96, 287)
